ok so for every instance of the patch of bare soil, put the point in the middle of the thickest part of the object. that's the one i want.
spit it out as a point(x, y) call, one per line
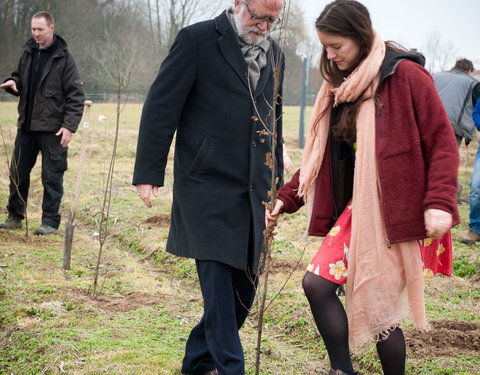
point(448, 338)
point(162, 220)
point(115, 303)
point(287, 266)
point(18, 236)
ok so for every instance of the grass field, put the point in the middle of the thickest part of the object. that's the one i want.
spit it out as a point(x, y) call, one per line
point(50, 323)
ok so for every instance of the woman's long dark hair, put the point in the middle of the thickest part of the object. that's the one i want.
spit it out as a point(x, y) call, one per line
point(349, 19)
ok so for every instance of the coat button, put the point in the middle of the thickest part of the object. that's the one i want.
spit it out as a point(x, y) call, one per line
point(250, 187)
point(254, 144)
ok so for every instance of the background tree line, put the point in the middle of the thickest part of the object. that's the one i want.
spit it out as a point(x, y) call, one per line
point(135, 35)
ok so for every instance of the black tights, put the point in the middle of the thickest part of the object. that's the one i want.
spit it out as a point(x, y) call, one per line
point(392, 353)
point(331, 320)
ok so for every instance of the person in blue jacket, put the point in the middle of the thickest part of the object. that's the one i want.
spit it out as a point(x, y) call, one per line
point(473, 235)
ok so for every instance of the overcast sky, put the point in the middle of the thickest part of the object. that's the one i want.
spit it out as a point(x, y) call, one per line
point(410, 21)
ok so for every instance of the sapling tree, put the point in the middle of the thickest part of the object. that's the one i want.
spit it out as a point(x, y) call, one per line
point(13, 174)
point(269, 125)
point(122, 81)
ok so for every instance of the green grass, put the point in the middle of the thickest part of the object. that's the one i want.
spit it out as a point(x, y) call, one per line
point(149, 300)
point(447, 366)
point(465, 267)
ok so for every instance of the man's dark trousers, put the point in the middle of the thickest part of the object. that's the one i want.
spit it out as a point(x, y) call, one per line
point(54, 165)
point(228, 294)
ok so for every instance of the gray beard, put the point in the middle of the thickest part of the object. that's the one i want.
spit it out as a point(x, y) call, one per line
point(243, 31)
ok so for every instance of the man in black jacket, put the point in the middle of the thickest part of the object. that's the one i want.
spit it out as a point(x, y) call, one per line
point(50, 109)
point(216, 84)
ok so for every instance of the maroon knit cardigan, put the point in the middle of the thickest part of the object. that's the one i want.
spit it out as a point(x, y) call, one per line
point(417, 158)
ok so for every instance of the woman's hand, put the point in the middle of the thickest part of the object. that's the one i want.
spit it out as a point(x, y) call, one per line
point(437, 222)
point(271, 217)
point(287, 163)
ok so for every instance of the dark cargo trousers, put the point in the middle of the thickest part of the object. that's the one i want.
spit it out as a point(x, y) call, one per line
point(54, 165)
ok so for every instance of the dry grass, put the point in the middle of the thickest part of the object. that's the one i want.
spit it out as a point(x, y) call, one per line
point(150, 300)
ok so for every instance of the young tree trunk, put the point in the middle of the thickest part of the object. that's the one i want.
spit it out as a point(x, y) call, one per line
point(122, 82)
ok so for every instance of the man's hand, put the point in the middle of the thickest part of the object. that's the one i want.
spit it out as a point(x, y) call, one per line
point(66, 136)
point(144, 191)
point(437, 222)
point(10, 84)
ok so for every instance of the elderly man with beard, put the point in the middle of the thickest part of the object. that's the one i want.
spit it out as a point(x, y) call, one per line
point(217, 81)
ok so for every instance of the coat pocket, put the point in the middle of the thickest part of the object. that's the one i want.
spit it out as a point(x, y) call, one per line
point(58, 158)
point(200, 156)
point(49, 107)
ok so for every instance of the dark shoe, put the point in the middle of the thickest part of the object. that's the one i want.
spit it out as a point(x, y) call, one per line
point(213, 372)
point(45, 230)
point(471, 238)
point(12, 222)
point(340, 372)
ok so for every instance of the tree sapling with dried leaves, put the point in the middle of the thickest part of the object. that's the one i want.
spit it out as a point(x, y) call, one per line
point(271, 131)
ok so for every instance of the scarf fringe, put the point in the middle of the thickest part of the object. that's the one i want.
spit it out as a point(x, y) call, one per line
point(385, 334)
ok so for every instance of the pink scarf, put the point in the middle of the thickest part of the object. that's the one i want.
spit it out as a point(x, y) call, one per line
point(378, 276)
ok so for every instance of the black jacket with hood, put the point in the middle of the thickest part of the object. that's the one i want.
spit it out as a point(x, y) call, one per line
point(59, 98)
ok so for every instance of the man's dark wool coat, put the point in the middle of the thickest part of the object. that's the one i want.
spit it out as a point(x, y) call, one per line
point(220, 177)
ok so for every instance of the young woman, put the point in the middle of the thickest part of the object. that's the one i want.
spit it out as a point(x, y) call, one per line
point(378, 176)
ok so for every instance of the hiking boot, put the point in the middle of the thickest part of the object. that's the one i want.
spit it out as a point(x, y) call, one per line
point(12, 222)
point(471, 238)
point(45, 230)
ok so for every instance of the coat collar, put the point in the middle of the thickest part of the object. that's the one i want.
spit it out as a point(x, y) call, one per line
point(459, 71)
point(394, 57)
point(233, 54)
point(59, 45)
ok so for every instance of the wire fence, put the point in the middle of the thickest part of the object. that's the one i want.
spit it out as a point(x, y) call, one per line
point(94, 97)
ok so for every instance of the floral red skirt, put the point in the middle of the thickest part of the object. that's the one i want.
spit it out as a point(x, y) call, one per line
point(331, 259)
